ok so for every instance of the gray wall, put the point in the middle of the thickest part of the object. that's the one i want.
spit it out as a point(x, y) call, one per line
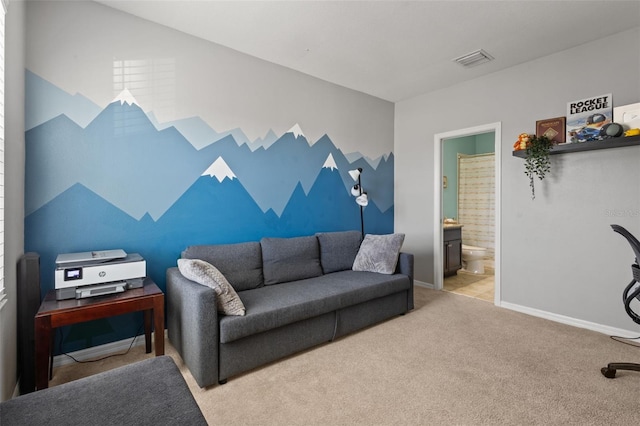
point(14, 189)
point(559, 254)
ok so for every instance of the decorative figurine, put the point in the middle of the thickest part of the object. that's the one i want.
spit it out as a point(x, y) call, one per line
point(522, 143)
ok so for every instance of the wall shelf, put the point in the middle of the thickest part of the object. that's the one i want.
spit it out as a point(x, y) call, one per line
point(588, 146)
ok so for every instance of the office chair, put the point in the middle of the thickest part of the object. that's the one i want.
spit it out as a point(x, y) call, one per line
point(631, 292)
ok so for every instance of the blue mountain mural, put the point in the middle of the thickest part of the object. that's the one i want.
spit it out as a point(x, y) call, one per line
point(44, 101)
point(123, 181)
point(119, 155)
point(200, 134)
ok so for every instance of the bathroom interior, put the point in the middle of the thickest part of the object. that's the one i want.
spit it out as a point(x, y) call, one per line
point(468, 205)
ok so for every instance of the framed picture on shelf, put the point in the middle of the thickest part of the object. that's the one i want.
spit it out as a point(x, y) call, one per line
point(552, 128)
point(586, 117)
point(628, 116)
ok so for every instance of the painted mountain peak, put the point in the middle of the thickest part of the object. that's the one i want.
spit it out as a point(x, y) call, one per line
point(44, 101)
point(297, 131)
point(330, 163)
point(125, 97)
point(220, 170)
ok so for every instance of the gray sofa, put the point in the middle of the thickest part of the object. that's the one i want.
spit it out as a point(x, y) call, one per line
point(298, 292)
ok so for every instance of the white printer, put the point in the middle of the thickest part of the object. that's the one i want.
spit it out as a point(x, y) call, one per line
point(96, 273)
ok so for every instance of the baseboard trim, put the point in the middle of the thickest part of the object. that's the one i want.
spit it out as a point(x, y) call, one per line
point(423, 284)
point(107, 349)
point(600, 328)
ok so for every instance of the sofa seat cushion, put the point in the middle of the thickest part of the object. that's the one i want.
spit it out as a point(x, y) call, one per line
point(274, 306)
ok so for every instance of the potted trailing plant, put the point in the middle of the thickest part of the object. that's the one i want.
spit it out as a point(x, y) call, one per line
point(537, 162)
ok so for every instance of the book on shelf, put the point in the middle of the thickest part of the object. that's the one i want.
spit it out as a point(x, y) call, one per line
point(585, 117)
point(552, 128)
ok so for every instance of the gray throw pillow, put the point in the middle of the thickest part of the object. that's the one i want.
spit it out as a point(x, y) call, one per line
point(290, 259)
point(227, 300)
point(338, 250)
point(379, 253)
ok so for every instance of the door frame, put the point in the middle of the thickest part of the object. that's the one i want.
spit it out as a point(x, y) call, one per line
point(438, 254)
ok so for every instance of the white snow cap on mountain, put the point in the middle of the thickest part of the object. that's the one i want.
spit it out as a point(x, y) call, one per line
point(220, 170)
point(296, 130)
point(125, 97)
point(330, 163)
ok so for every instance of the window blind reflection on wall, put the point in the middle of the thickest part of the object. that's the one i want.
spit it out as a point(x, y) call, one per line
point(152, 84)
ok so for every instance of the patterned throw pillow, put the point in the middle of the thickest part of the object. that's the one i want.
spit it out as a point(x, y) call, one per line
point(379, 253)
point(204, 273)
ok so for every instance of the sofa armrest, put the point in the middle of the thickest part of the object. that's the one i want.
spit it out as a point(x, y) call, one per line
point(192, 322)
point(405, 267)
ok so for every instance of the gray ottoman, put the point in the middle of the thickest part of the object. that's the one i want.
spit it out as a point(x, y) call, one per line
point(150, 392)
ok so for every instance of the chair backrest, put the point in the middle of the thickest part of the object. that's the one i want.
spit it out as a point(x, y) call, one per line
point(632, 291)
point(635, 244)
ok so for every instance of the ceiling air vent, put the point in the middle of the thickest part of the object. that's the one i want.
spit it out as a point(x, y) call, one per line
point(474, 58)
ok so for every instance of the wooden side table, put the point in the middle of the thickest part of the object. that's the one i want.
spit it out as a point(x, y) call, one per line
point(57, 313)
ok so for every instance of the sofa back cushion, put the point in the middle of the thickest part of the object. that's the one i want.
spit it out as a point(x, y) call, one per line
point(290, 259)
point(338, 250)
point(241, 264)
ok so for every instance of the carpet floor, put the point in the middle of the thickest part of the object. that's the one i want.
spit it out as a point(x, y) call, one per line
point(453, 360)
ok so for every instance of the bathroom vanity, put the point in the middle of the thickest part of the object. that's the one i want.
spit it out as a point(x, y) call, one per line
point(452, 253)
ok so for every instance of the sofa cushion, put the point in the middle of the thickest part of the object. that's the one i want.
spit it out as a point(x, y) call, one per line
point(227, 300)
point(274, 306)
point(338, 250)
point(241, 264)
point(379, 253)
point(290, 259)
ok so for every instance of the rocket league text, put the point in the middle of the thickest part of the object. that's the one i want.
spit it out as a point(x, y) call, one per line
point(593, 104)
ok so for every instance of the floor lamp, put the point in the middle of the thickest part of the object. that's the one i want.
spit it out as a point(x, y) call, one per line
point(361, 196)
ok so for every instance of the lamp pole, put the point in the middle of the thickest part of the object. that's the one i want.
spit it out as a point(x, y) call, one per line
point(361, 196)
point(361, 209)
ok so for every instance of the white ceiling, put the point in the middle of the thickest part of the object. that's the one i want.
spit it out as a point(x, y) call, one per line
point(393, 49)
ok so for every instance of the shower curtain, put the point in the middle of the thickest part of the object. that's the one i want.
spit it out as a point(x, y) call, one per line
point(476, 200)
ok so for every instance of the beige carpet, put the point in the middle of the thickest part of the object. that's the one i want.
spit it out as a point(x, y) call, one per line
point(453, 360)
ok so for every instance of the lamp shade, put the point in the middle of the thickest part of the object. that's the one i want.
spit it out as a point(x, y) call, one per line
point(355, 191)
point(355, 174)
point(363, 200)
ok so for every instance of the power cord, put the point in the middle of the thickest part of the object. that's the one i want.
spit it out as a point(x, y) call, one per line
point(104, 357)
point(621, 339)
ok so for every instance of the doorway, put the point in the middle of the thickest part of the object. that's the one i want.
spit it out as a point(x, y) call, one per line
point(439, 208)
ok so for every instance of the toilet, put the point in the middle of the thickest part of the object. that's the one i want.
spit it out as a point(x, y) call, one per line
point(473, 258)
